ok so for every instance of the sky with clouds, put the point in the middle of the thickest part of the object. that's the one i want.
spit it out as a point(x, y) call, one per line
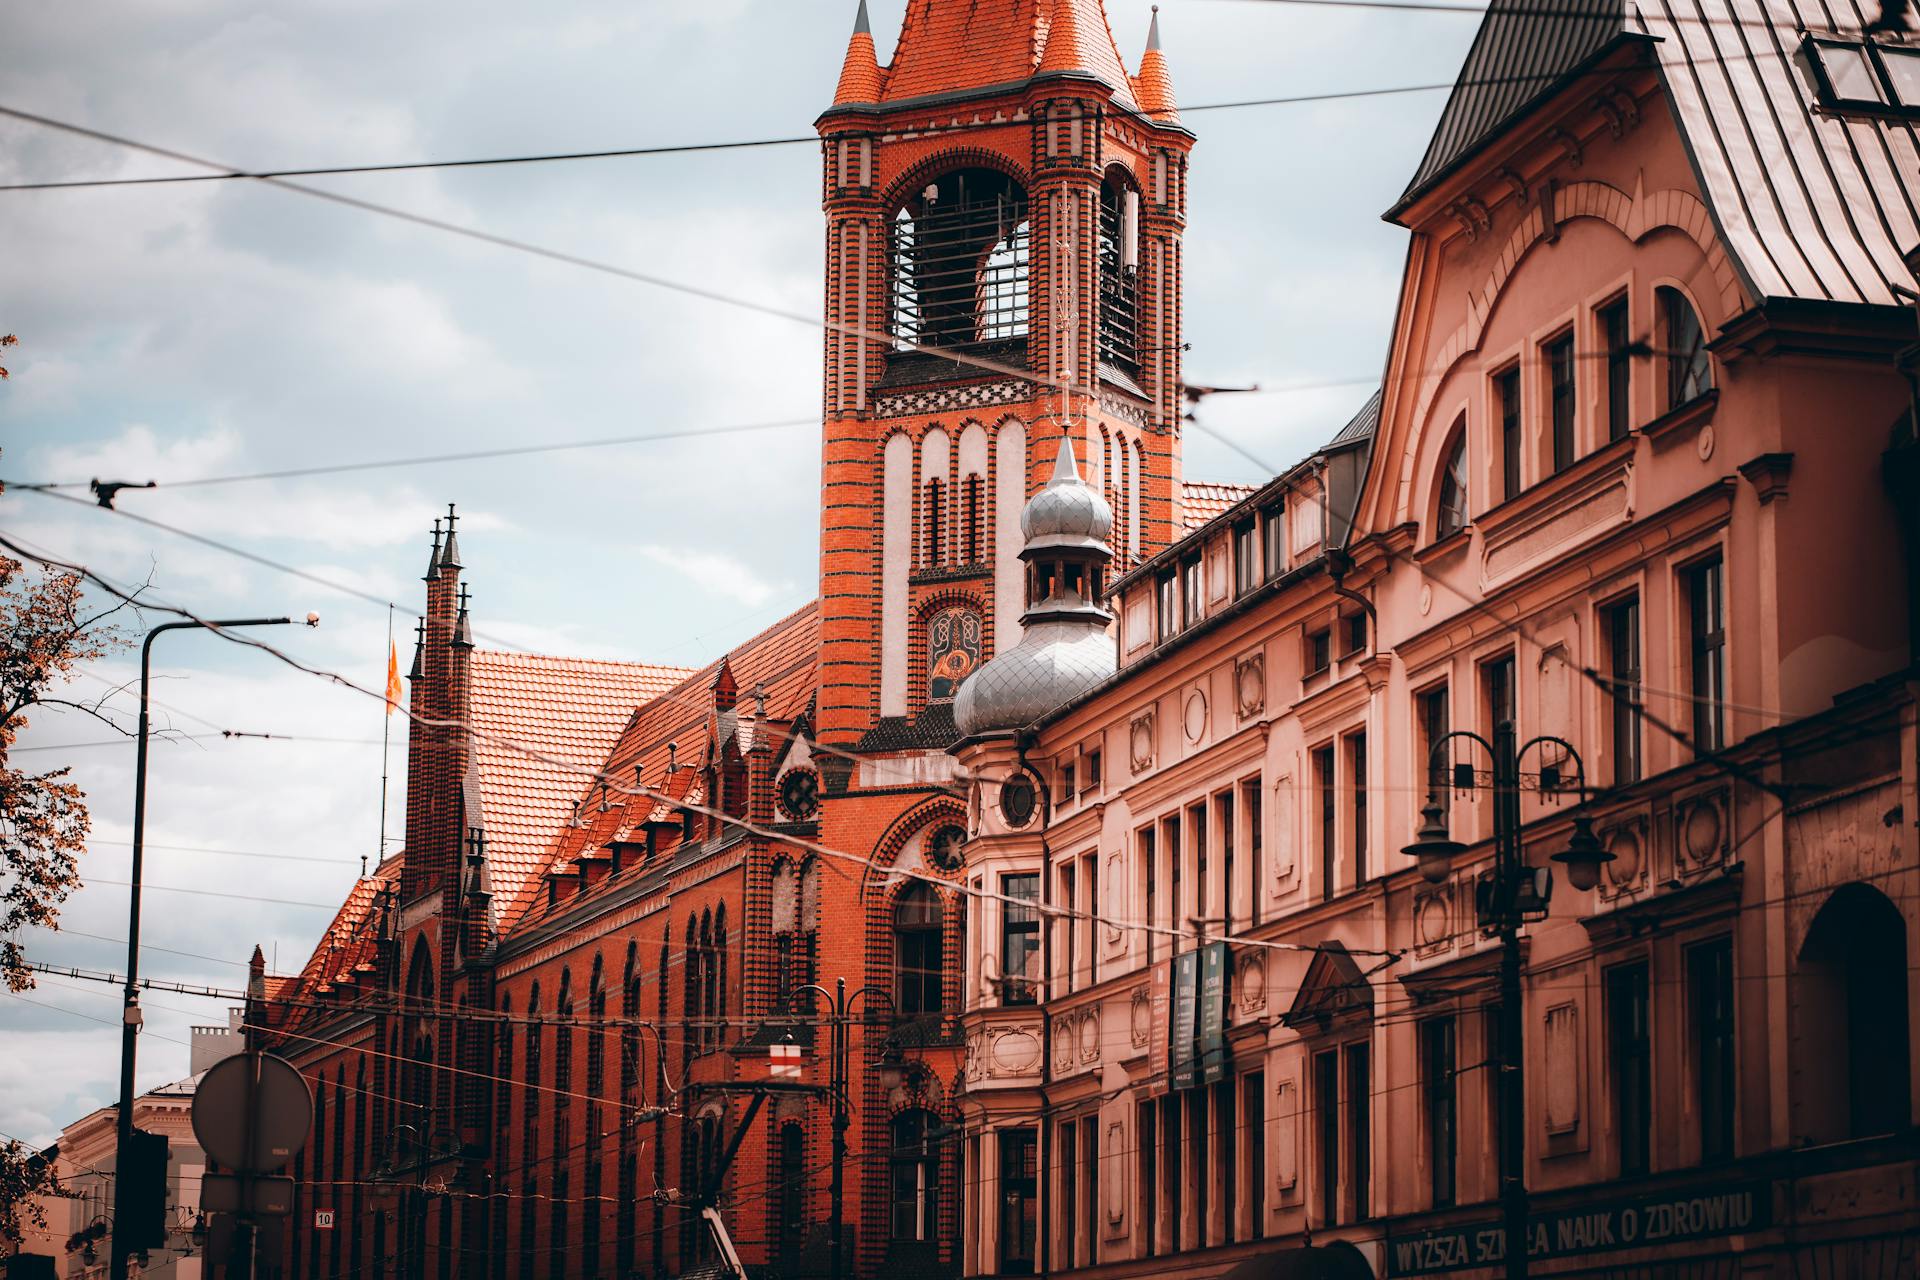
point(207, 329)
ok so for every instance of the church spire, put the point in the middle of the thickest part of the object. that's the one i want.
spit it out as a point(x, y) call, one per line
point(1153, 87)
point(860, 79)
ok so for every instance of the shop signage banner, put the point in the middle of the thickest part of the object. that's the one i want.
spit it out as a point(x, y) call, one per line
point(1215, 965)
point(1681, 1214)
point(1157, 1015)
point(1181, 1073)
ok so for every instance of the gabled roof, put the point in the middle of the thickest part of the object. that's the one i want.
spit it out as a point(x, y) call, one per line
point(948, 46)
point(1334, 988)
point(567, 709)
point(1811, 204)
point(1201, 501)
point(349, 939)
point(1517, 58)
point(678, 722)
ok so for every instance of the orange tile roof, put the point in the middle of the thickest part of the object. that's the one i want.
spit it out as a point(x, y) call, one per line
point(948, 45)
point(1201, 502)
point(347, 941)
point(860, 79)
point(785, 657)
point(567, 709)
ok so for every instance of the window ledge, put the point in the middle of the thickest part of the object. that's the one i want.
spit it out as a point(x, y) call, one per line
point(1442, 549)
point(1676, 423)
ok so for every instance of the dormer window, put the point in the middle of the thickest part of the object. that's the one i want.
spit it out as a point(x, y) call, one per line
point(957, 259)
point(1866, 76)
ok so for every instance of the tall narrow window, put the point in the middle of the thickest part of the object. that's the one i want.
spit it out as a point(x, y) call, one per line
point(1172, 1172)
point(1323, 778)
point(1226, 1161)
point(1020, 937)
point(1452, 515)
point(1689, 367)
point(1710, 989)
point(1560, 383)
point(1707, 643)
point(791, 1220)
point(1326, 1112)
point(1166, 589)
point(1192, 592)
point(1431, 707)
point(1149, 877)
point(1506, 393)
point(918, 933)
point(1497, 680)
point(1437, 1085)
point(935, 514)
point(1251, 817)
point(1245, 550)
point(1202, 873)
point(916, 1168)
point(1613, 333)
point(1019, 1200)
point(1357, 781)
point(1065, 1155)
point(970, 512)
point(1621, 622)
point(1223, 824)
point(1359, 1109)
point(1149, 1162)
point(1630, 1051)
point(1253, 1092)
point(1090, 1160)
point(1273, 541)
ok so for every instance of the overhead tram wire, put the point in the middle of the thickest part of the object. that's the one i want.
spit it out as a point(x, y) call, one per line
point(616, 785)
point(279, 175)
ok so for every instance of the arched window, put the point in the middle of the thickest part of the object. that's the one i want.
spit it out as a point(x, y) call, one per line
point(957, 261)
point(915, 1163)
point(1689, 367)
point(1120, 274)
point(1452, 514)
point(935, 522)
point(1851, 1004)
point(970, 519)
point(719, 972)
point(917, 950)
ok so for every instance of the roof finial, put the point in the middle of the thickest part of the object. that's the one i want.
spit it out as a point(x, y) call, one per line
point(861, 27)
point(433, 557)
point(450, 553)
point(1066, 467)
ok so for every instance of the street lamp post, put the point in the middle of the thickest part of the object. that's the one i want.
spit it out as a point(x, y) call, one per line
point(130, 1015)
point(1517, 893)
point(837, 1090)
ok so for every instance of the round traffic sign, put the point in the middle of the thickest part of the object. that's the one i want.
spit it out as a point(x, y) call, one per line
point(282, 1112)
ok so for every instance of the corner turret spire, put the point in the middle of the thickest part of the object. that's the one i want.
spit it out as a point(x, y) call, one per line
point(1153, 86)
point(1063, 52)
point(860, 79)
point(450, 552)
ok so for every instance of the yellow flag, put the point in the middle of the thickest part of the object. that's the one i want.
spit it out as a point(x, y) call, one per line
point(394, 692)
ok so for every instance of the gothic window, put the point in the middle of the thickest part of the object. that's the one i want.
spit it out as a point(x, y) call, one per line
point(953, 650)
point(957, 261)
point(934, 514)
point(719, 972)
point(795, 927)
point(1689, 367)
point(970, 518)
point(918, 937)
point(1119, 275)
point(916, 1177)
point(1452, 516)
point(791, 1186)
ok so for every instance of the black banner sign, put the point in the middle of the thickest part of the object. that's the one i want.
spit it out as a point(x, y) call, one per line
point(1680, 1214)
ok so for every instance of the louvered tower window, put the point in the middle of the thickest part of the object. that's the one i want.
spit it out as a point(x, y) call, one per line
point(1120, 277)
point(957, 262)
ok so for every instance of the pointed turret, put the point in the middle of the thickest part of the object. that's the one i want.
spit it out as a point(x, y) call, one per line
point(1064, 51)
point(1153, 87)
point(860, 79)
point(433, 557)
point(450, 552)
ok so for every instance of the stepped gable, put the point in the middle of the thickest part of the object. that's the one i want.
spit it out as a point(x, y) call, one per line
point(950, 47)
point(784, 657)
point(349, 940)
point(567, 709)
point(1202, 502)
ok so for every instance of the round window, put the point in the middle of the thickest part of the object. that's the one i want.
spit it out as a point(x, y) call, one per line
point(800, 794)
point(946, 848)
point(1018, 800)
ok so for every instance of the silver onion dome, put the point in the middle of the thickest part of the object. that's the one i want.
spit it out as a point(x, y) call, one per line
point(1065, 648)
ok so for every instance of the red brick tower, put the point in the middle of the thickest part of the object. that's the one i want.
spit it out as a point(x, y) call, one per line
point(1005, 207)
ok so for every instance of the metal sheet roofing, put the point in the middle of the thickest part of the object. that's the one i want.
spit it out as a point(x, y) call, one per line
point(1810, 203)
point(1516, 57)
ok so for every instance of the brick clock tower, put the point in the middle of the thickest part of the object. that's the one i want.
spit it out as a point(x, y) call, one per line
point(1004, 208)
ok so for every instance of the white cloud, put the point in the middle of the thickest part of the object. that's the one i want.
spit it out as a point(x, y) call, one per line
point(714, 572)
